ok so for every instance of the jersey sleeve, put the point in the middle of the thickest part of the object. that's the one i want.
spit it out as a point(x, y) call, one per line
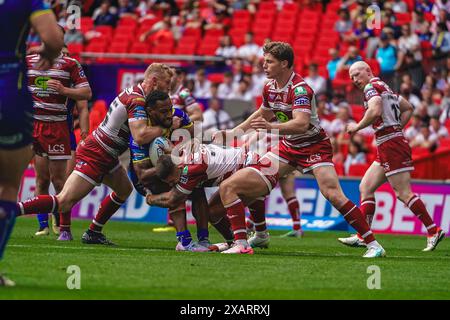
point(39, 7)
point(77, 75)
point(186, 98)
point(192, 176)
point(185, 120)
point(301, 96)
point(136, 109)
point(370, 91)
point(139, 153)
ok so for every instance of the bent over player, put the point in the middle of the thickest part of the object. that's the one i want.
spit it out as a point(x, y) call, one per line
point(388, 113)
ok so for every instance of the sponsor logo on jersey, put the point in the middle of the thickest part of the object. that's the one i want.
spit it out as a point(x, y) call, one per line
point(185, 170)
point(300, 91)
point(184, 94)
point(184, 179)
point(41, 82)
point(302, 101)
point(281, 116)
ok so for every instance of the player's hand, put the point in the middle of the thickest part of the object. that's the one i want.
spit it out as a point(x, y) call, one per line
point(176, 123)
point(352, 128)
point(56, 85)
point(260, 123)
point(149, 199)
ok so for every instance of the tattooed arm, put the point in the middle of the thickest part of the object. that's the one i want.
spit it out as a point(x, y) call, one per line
point(171, 199)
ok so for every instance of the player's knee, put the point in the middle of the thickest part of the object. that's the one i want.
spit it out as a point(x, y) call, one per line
point(58, 183)
point(365, 191)
point(404, 196)
point(65, 203)
point(227, 187)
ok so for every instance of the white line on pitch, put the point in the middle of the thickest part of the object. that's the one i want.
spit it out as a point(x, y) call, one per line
point(81, 248)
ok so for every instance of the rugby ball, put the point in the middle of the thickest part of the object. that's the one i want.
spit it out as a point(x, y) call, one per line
point(156, 149)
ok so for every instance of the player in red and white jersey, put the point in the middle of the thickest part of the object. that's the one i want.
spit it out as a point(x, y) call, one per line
point(51, 90)
point(182, 98)
point(97, 156)
point(304, 145)
point(388, 113)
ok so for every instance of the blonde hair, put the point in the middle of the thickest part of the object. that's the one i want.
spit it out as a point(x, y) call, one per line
point(158, 69)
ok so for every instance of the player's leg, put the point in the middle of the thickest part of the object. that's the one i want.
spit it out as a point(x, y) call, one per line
point(372, 180)
point(12, 165)
point(42, 172)
point(58, 177)
point(329, 186)
point(401, 183)
point(219, 220)
point(119, 182)
point(260, 238)
point(200, 212)
point(287, 186)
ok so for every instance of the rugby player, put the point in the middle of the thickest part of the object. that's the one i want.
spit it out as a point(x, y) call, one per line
point(97, 156)
point(51, 90)
point(388, 113)
point(304, 145)
point(16, 105)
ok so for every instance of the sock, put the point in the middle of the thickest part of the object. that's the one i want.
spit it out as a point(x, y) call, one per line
point(294, 210)
point(43, 220)
point(258, 212)
point(355, 218)
point(368, 209)
point(250, 222)
point(184, 237)
point(236, 215)
point(108, 207)
point(202, 234)
point(8, 212)
point(65, 220)
point(42, 203)
point(418, 208)
point(224, 228)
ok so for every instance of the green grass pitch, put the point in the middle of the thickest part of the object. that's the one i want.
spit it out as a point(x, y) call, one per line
point(146, 266)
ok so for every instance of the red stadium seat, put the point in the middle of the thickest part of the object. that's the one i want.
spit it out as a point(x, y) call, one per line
point(268, 6)
point(140, 47)
point(107, 31)
point(403, 18)
point(215, 77)
point(186, 48)
point(374, 65)
point(357, 170)
point(163, 48)
point(194, 32)
point(127, 21)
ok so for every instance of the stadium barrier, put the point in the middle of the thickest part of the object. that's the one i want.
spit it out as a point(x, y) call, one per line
point(391, 216)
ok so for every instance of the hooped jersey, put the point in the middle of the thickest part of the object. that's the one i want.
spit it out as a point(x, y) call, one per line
point(113, 134)
point(48, 104)
point(210, 165)
point(295, 96)
point(182, 98)
point(388, 125)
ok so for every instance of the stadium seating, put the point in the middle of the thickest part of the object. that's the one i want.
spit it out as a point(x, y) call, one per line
point(357, 170)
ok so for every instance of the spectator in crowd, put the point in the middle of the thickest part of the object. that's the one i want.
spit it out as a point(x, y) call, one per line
point(424, 6)
point(214, 91)
point(126, 9)
point(238, 70)
point(413, 87)
point(324, 116)
point(445, 105)
point(408, 43)
point(214, 118)
point(361, 36)
point(414, 129)
point(405, 91)
point(226, 48)
point(333, 62)
point(226, 87)
point(399, 6)
point(425, 139)
point(316, 81)
point(104, 17)
point(350, 57)
point(73, 35)
point(441, 41)
point(167, 7)
point(431, 100)
point(343, 118)
point(438, 129)
point(356, 155)
point(242, 91)
point(344, 24)
point(249, 50)
point(387, 58)
point(420, 26)
point(160, 32)
point(202, 85)
point(259, 78)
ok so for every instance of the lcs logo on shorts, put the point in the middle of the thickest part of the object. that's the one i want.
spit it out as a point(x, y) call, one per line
point(57, 148)
point(314, 158)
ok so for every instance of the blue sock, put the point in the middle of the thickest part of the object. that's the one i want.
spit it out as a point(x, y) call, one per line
point(184, 237)
point(202, 234)
point(6, 224)
point(43, 220)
